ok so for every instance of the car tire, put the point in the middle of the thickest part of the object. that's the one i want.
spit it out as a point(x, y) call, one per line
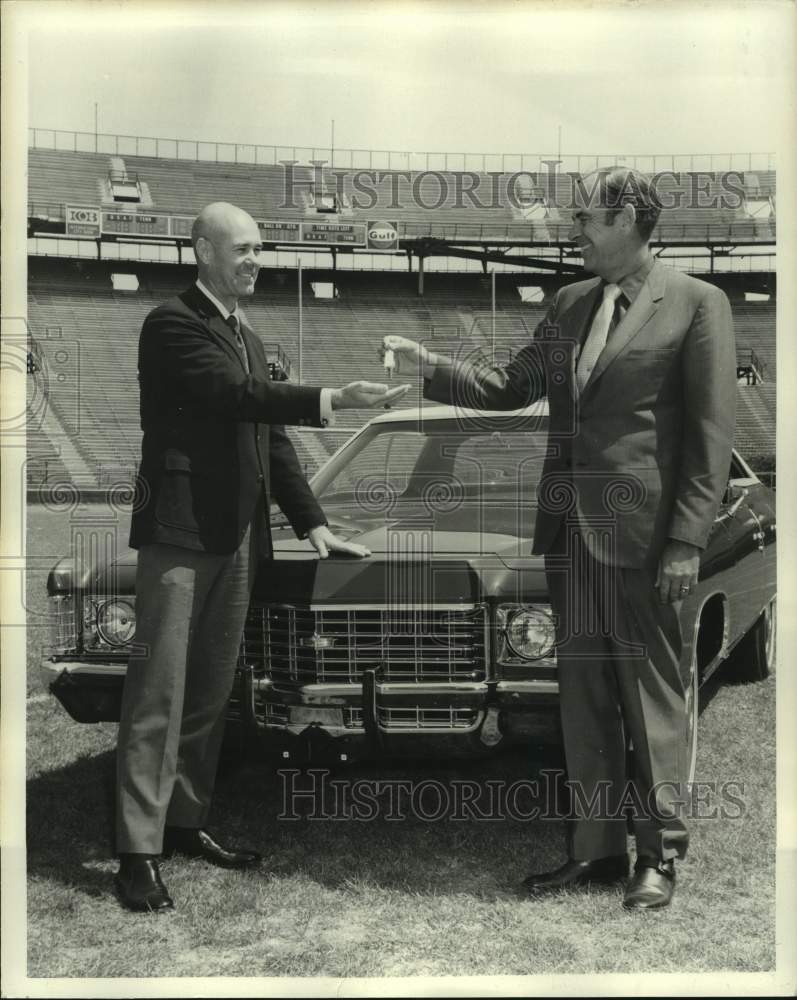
point(753, 657)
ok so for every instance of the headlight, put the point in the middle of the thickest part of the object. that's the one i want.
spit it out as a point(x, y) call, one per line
point(116, 622)
point(527, 630)
point(108, 625)
point(89, 625)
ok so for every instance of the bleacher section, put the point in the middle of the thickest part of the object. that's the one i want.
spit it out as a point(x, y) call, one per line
point(73, 309)
point(424, 204)
point(755, 420)
point(88, 335)
point(754, 324)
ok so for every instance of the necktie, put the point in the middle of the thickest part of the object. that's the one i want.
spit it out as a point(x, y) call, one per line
point(232, 323)
point(596, 338)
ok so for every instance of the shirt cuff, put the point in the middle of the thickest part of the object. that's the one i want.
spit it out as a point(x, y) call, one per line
point(326, 413)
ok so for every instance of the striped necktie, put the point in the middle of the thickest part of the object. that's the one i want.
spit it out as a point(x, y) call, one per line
point(232, 323)
point(597, 336)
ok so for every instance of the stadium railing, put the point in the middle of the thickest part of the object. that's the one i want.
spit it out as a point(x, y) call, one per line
point(384, 159)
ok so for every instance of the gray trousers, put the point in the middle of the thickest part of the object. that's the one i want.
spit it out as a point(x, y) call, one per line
point(618, 663)
point(191, 608)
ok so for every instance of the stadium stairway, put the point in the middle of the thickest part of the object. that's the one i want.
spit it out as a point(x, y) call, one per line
point(73, 465)
point(755, 420)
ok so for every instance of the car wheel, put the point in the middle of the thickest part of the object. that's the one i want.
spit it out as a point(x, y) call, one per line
point(753, 657)
point(692, 714)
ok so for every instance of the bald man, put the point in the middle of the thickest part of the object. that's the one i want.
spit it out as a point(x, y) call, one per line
point(214, 455)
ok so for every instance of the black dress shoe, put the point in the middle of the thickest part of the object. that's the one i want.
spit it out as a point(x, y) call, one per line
point(139, 886)
point(652, 886)
point(572, 874)
point(199, 844)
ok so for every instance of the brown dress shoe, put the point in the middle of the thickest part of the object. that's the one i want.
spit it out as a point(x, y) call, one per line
point(575, 874)
point(139, 886)
point(199, 844)
point(652, 886)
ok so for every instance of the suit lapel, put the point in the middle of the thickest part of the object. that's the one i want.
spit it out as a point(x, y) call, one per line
point(219, 327)
point(204, 308)
point(576, 320)
point(580, 312)
point(642, 308)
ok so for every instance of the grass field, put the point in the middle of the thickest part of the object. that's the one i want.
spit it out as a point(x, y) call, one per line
point(381, 898)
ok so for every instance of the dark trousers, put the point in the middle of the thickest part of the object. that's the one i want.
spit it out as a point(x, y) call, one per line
point(191, 610)
point(618, 663)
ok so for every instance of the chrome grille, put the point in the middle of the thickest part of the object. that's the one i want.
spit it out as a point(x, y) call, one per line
point(335, 645)
point(63, 626)
point(353, 718)
point(273, 714)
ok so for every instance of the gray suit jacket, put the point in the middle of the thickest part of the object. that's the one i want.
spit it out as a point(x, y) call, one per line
point(644, 453)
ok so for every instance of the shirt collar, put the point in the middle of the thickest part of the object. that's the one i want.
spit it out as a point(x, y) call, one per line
point(632, 283)
point(225, 312)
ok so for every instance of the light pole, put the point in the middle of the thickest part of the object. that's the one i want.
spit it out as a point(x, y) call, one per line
point(300, 318)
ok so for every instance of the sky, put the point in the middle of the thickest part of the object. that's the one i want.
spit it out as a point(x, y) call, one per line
point(632, 78)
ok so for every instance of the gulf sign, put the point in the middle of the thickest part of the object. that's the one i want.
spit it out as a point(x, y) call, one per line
point(381, 235)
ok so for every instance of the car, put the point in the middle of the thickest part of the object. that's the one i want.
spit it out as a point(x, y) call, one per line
point(443, 641)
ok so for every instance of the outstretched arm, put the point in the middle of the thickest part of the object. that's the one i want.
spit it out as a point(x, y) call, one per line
point(474, 384)
point(208, 376)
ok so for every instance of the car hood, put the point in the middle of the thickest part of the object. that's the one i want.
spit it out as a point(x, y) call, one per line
point(466, 528)
point(460, 556)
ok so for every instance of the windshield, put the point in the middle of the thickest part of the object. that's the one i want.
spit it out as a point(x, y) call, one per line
point(392, 466)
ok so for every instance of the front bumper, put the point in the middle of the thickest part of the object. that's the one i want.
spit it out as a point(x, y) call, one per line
point(380, 718)
point(347, 720)
point(90, 692)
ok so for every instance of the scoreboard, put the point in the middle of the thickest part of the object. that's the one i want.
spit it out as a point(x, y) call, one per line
point(180, 226)
point(332, 233)
point(87, 220)
point(308, 233)
point(134, 224)
point(280, 232)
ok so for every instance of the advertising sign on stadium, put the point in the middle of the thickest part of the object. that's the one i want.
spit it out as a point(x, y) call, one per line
point(382, 235)
point(82, 220)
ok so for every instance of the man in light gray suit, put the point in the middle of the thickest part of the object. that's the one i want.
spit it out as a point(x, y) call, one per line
point(639, 368)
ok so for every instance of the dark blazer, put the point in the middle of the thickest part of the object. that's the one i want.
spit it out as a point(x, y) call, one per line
point(646, 449)
point(214, 449)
